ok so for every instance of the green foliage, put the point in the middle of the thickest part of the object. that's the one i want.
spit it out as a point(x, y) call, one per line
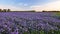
point(25, 33)
point(58, 14)
point(42, 32)
point(34, 32)
point(51, 32)
point(58, 31)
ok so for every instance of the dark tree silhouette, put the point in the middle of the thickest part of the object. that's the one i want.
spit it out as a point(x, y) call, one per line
point(8, 10)
point(0, 10)
point(4, 10)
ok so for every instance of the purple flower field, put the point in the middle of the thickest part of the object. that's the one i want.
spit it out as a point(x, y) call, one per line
point(22, 22)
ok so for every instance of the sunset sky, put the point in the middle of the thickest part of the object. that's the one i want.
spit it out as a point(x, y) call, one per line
point(37, 5)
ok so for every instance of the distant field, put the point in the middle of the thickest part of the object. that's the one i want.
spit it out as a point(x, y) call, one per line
point(29, 22)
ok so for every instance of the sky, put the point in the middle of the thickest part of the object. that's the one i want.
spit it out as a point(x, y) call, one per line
point(37, 5)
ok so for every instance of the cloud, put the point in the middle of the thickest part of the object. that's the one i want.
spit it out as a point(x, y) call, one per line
point(13, 8)
point(48, 7)
point(22, 4)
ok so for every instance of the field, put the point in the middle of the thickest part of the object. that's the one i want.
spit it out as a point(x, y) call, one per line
point(29, 22)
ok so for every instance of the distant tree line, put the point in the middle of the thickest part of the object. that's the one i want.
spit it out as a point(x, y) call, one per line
point(50, 11)
point(8, 10)
point(4, 10)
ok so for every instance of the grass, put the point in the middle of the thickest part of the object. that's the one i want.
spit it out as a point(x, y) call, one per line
point(43, 32)
point(57, 14)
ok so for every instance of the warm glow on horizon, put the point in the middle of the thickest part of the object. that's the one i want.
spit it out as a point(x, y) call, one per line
point(53, 6)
